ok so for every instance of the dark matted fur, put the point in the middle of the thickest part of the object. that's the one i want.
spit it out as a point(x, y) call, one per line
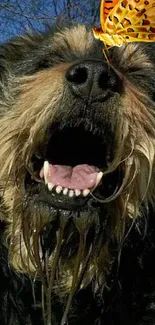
point(61, 263)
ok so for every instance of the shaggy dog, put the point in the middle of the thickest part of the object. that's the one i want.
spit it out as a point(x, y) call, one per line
point(77, 169)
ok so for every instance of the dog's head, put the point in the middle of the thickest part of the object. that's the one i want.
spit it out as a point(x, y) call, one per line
point(77, 147)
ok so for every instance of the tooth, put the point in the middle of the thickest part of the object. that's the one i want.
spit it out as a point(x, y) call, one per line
point(85, 192)
point(65, 191)
point(41, 173)
point(98, 178)
point(58, 189)
point(77, 192)
point(71, 193)
point(50, 186)
point(46, 171)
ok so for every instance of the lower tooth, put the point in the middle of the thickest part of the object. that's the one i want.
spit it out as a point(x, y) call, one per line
point(65, 191)
point(85, 192)
point(71, 193)
point(46, 171)
point(98, 179)
point(58, 189)
point(77, 192)
point(50, 186)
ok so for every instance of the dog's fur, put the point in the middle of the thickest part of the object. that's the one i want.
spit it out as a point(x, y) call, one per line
point(73, 260)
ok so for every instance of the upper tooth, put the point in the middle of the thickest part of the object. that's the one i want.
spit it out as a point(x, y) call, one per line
point(50, 186)
point(46, 171)
point(77, 192)
point(98, 178)
point(86, 192)
point(58, 189)
point(71, 193)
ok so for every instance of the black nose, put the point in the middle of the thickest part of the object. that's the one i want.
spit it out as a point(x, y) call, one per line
point(93, 78)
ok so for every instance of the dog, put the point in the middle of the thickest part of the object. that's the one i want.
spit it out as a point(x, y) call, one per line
point(77, 168)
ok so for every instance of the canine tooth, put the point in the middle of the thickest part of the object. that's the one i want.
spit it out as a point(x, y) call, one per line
point(77, 192)
point(50, 186)
point(65, 191)
point(71, 193)
point(85, 192)
point(58, 189)
point(46, 170)
point(98, 178)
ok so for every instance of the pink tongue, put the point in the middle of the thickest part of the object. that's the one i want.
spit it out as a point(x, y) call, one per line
point(80, 177)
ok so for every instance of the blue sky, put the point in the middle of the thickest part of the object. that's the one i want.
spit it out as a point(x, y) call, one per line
point(18, 15)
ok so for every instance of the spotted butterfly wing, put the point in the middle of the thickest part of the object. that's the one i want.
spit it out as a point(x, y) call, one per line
point(126, 21)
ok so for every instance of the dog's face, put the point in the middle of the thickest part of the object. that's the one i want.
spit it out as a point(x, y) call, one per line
point(77, 151)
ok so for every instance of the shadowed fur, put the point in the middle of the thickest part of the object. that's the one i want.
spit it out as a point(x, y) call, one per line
point(63, 245)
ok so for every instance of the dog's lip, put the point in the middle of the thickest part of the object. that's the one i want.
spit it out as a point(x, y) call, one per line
point(58, 202)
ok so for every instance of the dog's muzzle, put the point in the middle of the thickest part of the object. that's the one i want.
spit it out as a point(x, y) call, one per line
point(77, 154)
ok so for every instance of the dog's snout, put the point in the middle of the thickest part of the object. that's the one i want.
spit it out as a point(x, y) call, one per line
point(92, 78)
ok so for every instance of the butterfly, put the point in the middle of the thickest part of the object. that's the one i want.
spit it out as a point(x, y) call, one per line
point(124, 21)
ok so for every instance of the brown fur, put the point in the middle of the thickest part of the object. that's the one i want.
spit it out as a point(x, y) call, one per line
point(32, 104)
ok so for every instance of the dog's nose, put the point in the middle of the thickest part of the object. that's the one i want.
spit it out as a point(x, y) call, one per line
point(93, 78)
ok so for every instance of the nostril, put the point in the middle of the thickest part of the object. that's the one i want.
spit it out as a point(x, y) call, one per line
point(103, 80)
point(77, 75)
point(108, 81)
point(112, 82)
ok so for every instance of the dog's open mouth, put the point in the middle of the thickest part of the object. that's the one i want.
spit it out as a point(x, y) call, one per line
point(72, 167)
point(78, 180)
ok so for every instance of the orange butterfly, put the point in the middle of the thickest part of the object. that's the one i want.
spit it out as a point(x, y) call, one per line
point(126, 21)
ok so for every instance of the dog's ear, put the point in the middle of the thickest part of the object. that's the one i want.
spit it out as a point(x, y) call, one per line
point(26, 54)
point(11, 54)
point(16, 56)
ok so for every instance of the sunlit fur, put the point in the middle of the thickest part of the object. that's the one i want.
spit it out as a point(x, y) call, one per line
point(30, 103)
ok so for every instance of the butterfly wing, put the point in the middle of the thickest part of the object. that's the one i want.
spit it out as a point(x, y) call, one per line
point(105, 9)
point(134, 20)
point(139, 34)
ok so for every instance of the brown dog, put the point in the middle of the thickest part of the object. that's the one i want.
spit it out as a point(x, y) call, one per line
point(77, 155)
